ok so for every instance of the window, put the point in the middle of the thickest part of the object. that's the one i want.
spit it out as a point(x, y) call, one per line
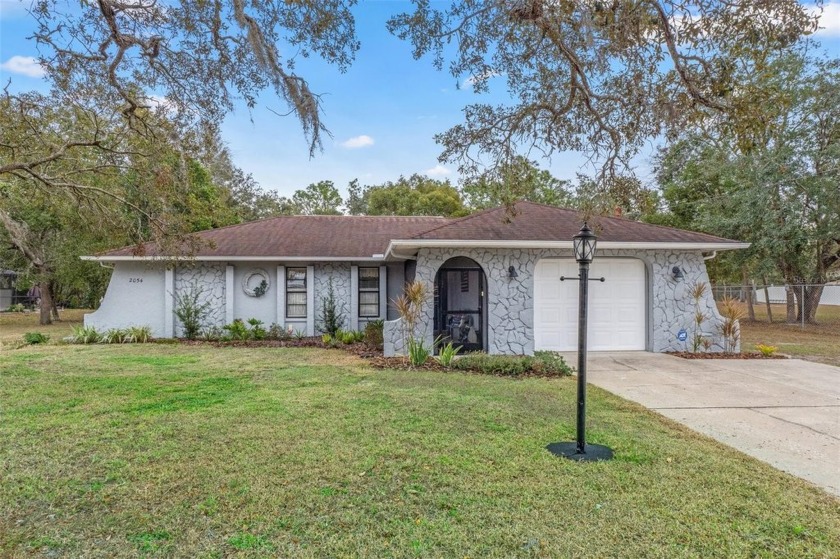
point(369, 292)
point(295, 292)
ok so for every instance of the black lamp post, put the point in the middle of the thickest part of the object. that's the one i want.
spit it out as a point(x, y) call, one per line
point(584, 245)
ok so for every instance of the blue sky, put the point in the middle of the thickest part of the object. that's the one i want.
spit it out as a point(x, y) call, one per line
point(383, 112)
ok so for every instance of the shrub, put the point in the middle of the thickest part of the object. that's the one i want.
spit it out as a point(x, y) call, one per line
point(139, 334)
point(418, 353)
point(212, 334)
point(373, 333)
point(349, 336)
point(506, 365)
point(191, 311)
point(277, 332)
point(84, 335)
point(17, 307)
point(551, 362)
point(113, 336)
point(326, 339)
point(257, 331)
point(35, 338)
point(331, 318)
point(543, 363)
point(766, 350)
point(236, 330)
point(447, 354)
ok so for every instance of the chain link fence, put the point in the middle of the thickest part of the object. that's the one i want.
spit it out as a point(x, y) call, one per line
point(802, 320)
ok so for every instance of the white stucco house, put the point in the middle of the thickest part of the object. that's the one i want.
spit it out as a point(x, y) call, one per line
point(495, 279)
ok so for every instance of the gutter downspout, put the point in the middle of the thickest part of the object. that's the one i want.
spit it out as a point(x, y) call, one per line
point(710, 256)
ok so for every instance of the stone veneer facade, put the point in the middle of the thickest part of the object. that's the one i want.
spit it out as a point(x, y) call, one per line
point(339, 273)
point(209, 278)
point(510, 302)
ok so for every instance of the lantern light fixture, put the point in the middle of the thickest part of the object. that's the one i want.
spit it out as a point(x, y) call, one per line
point(584, 245)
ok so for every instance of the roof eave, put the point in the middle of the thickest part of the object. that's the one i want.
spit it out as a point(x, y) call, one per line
point(128, 258)
point(398, 249)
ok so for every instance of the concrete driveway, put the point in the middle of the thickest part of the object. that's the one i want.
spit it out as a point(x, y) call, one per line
point(784, 412)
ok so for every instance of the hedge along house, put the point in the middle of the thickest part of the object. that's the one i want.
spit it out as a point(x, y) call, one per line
point(494, 279)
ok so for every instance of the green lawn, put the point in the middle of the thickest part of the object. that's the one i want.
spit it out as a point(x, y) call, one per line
point(13, 325)
point(164, 450)
point(815, 342)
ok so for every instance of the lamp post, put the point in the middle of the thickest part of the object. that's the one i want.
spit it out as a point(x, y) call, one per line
point(584, 246)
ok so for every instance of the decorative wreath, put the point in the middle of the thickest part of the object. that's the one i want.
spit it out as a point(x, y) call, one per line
point(260, 287)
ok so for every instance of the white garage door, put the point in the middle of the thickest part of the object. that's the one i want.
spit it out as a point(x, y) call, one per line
point(616, 307)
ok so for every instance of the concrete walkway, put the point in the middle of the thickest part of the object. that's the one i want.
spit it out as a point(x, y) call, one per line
point(784, 412)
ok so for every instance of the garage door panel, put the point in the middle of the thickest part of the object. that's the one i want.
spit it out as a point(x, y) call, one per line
point(616, 306)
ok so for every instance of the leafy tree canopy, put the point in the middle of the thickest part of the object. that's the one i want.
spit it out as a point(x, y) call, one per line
point(414, 195)
point(320, 198)
point(777, 188)
point(519, 179)
point(598, 77)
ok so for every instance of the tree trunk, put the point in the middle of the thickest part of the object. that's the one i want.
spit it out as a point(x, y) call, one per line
point(46, 303)
point(53, 296)
point(767, 301)
point(791, 304)
point(748, 294)
point(813, 294)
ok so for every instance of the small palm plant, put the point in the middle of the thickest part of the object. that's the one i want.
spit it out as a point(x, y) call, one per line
point(732, 312)
point(697, 292)
point(409, 305)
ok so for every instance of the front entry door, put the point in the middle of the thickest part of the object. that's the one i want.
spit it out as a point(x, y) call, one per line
point(459, 308)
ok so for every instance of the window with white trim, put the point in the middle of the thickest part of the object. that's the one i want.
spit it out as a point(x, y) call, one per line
point(369, 292)
point(295, 292)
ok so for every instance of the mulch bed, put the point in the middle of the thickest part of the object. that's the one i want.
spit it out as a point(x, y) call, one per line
point(751, 355)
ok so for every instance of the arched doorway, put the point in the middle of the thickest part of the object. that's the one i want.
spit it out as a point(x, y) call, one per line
point(460, 304)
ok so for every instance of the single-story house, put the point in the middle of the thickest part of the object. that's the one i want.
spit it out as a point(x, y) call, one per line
point(493, 279)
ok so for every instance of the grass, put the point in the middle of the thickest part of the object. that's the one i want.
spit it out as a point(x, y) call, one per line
point(13, 325)
point(174, 451)
point(816, 342)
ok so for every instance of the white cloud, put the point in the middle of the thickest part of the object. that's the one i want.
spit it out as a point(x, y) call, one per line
point(160, 101)
point(438, 171)
point(24, 65)
point(357, 142)
point(830, 20)
point(12, 9)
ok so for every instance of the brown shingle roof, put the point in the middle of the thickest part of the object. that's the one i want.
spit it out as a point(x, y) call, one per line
point(537, 222)
point(364, 236)
point(301, 236)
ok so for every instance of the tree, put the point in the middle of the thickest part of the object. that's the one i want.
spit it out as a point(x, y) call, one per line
point(245, 197)
point(585, 76)
point(519, 179)
point(597, 77)
point(41, 236)
point(319, 198)
point(192, 59)
point(777, 187)
point(617, 195)
point(414, 195)
point(116, 188)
